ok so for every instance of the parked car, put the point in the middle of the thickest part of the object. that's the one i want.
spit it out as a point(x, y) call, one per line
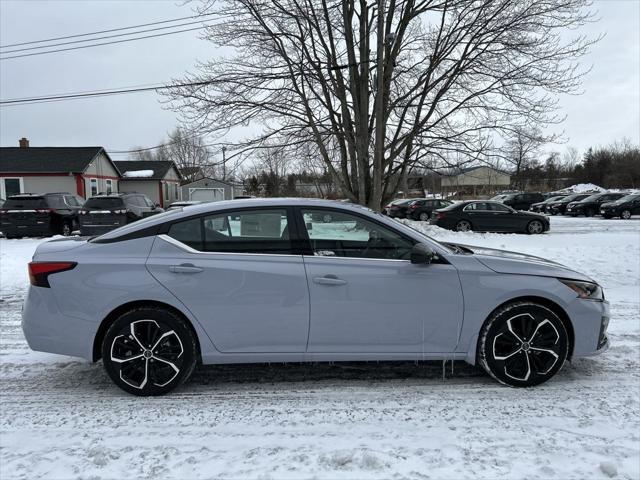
point(398, 208)
point(541, 207)
point(488, 216)
point(522, 201)
point(196, 286)
point(590, 205)
point(186, 203)
point(624, 207)
point(559, 206)
point(35, 215)
point(103, 213)
point(423, 208)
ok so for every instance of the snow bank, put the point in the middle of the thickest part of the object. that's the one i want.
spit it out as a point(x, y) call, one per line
point(138, 174)
point(582, 188)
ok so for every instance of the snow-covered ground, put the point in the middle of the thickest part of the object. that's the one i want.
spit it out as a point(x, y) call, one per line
point(61, 417)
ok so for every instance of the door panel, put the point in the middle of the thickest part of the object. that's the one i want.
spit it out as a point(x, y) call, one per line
point(245, 302)
point(369, 305)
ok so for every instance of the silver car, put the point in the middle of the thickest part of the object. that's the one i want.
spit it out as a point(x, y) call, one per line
point(269, 281)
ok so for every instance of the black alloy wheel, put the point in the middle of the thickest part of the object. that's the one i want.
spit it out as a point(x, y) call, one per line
point(523, 344)
point(149, 351)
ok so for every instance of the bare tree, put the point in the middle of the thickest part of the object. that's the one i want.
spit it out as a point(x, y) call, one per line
point(521, 151)
point(379, 86)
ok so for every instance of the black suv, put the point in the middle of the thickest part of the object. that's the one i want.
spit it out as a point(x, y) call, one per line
point(29, 214)
point(103, 213)
point(623, 207)
point(590, 206)
point(522, 201)
point(423, 208)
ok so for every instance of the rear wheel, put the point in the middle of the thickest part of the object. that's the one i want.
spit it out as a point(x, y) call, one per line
point(66, 229)
point(523, 344)
point(149, 351)
point(625, 214)
point(463, 226)
point(424, 216)
point(535, 227)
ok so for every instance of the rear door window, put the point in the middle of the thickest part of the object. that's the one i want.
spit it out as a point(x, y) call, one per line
point(103, 203)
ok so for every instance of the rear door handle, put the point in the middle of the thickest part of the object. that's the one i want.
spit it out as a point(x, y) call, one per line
point(329, 280)
point(185, 268)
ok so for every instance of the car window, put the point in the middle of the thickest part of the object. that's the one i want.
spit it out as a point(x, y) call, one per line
point(55, 201)
point(350, 235)
point(498, 207)
point(71, 201)
point(147, 202)
point(25, 203)
point(103, 203)
point(247, 231)
point(476, 207)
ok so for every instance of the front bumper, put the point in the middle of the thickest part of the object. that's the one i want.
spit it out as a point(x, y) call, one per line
point(590, 321)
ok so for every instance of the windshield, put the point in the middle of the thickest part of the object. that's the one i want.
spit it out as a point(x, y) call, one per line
point(103, 202)
point(509, 197)
point(628, 198)
point(591, 198)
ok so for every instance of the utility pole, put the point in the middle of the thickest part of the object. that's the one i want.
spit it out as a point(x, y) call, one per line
point(224, 163)
point(378, 153)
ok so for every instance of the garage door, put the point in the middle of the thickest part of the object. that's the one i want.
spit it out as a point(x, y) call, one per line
point(206, 194)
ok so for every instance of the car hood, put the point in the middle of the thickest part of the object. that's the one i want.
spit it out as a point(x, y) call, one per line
point(504, 261)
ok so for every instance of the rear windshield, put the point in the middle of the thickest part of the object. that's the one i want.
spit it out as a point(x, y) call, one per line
point(103, 202)
point(628, 198)
point(24, 203)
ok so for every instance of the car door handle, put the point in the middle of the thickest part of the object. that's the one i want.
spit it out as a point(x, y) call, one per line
point(185, 268)
point(329, 280)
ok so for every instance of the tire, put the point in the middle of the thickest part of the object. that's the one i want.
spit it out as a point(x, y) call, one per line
point(590, 212)
point(463, 226)
point(424, 217)
point(66, 229)
point(523, 344)
point(625, 214)
point(535, 227)
point(149, 371)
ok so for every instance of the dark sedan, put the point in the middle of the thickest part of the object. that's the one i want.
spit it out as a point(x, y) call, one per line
point(541, 207)
point(559, 206)
point(398, 208)
point(423, 208)
point(590, 206)
point(624, 207)
point(487, 216)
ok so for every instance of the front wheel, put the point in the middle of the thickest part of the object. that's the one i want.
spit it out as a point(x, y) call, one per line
point(625, 214)
point(463, 226)
point(424, 216)
point(66, 229)
point(535, 227)
point(523, 344)
point(149, 351)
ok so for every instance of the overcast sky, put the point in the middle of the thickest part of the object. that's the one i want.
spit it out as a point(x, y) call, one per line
point(608, 110)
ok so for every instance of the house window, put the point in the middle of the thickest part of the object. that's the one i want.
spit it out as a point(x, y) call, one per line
point(11, 186)
point(175, 191)
point(93, 182)
point(166, 191)
point(109, 186)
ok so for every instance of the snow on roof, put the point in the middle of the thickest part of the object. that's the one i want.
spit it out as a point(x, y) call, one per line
point(138, 174)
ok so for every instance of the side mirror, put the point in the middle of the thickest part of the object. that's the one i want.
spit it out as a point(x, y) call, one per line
point(422, 254)
point(157, 205)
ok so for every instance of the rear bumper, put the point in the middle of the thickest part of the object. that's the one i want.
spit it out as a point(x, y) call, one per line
point(27, 231)
point(48, 330)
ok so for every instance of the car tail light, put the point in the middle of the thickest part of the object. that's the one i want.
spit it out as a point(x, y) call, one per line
point(120, 211)
point(83, 212)
point(39, 271)
point(413, 207)
point(440, 215)
point(3, 210)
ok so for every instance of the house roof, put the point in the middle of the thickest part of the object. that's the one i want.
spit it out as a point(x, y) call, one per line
point(47, 159)
point(201, 179)
point(159, 167)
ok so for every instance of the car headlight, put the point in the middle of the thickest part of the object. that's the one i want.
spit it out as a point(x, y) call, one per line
point(586, 290)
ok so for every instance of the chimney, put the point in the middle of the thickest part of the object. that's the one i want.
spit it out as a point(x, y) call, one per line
point(24, 143)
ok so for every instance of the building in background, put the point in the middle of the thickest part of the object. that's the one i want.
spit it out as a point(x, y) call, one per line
point(157, 179)
point(83, 171)
point(474, 181)
point(210, 190)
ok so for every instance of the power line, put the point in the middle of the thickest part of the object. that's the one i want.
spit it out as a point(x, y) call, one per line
point(99, 93)
point(101, 38)
point(102, 31)
point(103, 43)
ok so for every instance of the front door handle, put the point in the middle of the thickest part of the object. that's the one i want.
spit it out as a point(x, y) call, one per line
point(185, 268)
point(329, 280)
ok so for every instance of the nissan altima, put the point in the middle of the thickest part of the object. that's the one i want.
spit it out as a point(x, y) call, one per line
point(265, 281)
